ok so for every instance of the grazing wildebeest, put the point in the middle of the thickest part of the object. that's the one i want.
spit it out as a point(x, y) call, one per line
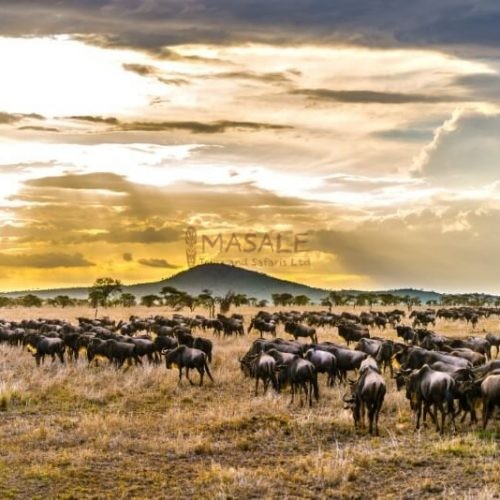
point(261, 367)
point(188, 357)
point(346, 359)
point(433, 389)
point(116, 351)
point(300, 374)
point(368, 393)
point(324, 362)
point(51, 346)
point(298, 330)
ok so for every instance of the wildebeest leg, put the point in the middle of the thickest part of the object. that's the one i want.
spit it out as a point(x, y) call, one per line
point(37, 359)
point(418, 412)
point(53, 357)
point(201, 371)
point(187, 376)
point(180, 375)
point(292, 386)
point(486, 412)
point(256, 385)
point(371, 415)
point(61, 356)
point(363, 410)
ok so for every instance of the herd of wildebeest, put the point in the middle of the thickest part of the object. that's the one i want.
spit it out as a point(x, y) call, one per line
point(445, 376)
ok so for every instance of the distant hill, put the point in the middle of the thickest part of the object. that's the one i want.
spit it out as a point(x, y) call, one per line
point(220, 278)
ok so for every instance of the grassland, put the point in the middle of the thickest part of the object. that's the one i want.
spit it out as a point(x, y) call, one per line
point(74, 431)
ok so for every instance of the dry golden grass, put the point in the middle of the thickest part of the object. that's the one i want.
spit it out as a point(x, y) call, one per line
point(73, 431)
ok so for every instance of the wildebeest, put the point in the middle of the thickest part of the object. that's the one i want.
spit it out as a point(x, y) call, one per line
point(494, 340)
point(262, 326)
point(187, 357)
point(435, 391)
point(368, 393)
point(261, 367)
point(490, 392)
point(324, 362)
point(352, 332)
point(299, 374)
point(46, 346)
point(298, 330)
point(116, 351)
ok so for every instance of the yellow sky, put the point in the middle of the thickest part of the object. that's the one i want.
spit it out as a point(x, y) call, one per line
point(108, 154)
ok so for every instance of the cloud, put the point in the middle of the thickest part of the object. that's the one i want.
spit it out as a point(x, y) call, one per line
point(157, 263)
point(39, 129)
point(128, 257)
point(373, 97)
point(195, 127)
point(44, 260)
point(147, 70)
point(464, 151)
point(98, 180)
point(96, 119)
point(9, 118)
point(146, 236)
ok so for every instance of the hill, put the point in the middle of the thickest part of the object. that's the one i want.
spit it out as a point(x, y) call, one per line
point(220, 278)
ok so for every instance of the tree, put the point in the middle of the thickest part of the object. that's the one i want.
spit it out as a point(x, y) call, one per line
point(262, 303)
point(6, 302)
point(206, 299)
point(102, 290)
point(301, 300)
point(226, 302)
point(61, 301)
point(150, 300)
point(127, 299)
point(30, 300)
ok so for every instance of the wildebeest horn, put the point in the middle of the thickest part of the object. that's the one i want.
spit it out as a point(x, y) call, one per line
point(164, 352)
point(352, 381)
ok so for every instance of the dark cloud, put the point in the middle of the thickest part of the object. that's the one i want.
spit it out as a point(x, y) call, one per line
point(274, 77)
point(128, 257)
point(8, 118)
point(157, 263)
point(195, 127)
point(39, 129)
point(368, 96)
point(44, 260)
point(96, 119)
point(151, 71)
point(154, 24)
point(99, 180)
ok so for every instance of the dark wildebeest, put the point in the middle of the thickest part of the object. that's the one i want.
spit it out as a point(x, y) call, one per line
point(298, 330)
point(352, 332)
point(494, 340)
point(188, 357)
point(261, 367)
point(490, 392)
point(406, 333)
point(433, 389)
point(262, 326)
point(116, 351)
point(51, 346)
point(324, 362)
point(368, 393)
point(300, 374)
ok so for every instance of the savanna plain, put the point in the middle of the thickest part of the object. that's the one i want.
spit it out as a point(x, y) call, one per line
point(74, 431)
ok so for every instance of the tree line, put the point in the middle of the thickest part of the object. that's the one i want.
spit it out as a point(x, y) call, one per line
point(108, 292)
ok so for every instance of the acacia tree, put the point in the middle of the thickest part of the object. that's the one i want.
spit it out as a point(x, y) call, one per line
point(150, 300)
point(127, 299)
point(206, 299)
point(30, 300)
point(102, 290)
point(301, 300)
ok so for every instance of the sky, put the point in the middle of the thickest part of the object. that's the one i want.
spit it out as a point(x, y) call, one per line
point(371, 126)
